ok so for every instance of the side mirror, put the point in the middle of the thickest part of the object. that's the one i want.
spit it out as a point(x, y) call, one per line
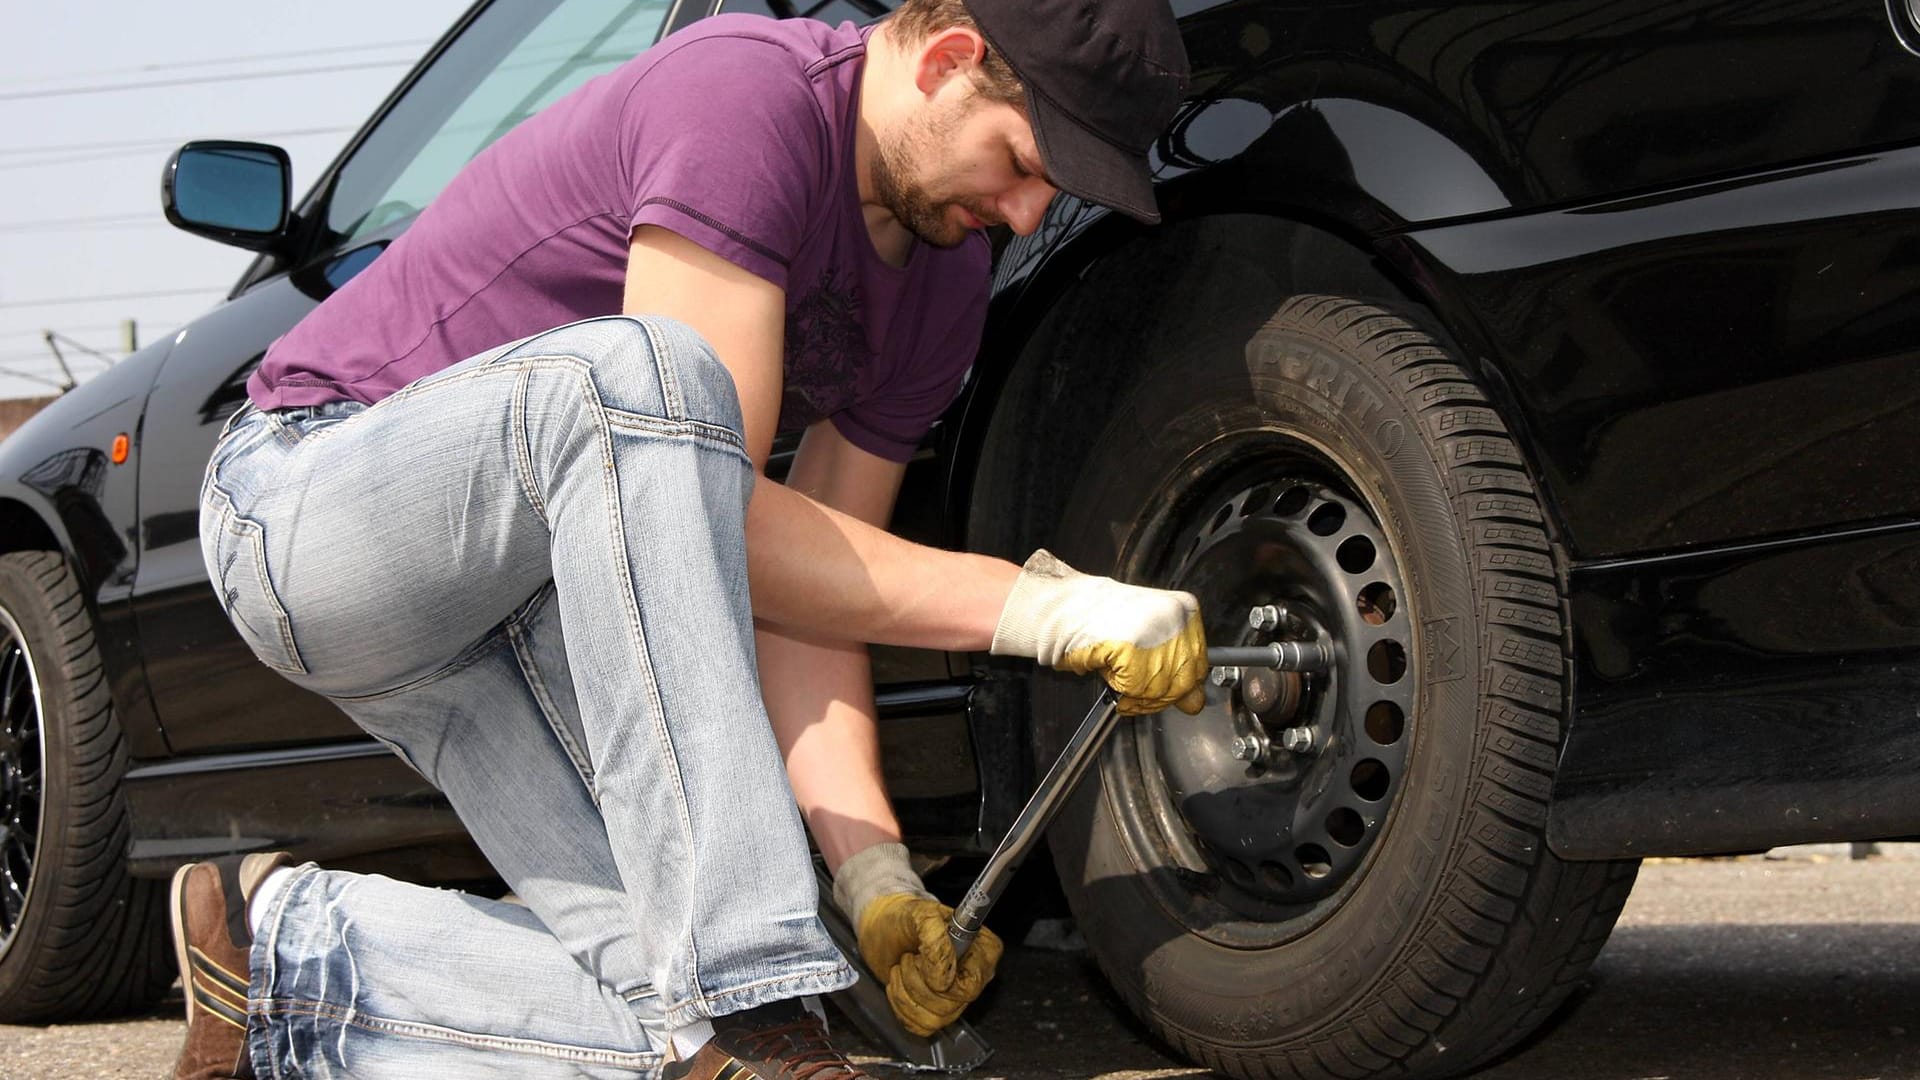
point(235, 192)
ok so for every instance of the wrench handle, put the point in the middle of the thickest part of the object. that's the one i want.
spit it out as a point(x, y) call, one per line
point(1080, 752)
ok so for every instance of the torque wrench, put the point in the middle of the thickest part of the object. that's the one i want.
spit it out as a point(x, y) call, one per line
point(1072, 764)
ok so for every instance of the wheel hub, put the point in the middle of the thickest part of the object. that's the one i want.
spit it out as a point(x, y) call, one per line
point(1285, 780)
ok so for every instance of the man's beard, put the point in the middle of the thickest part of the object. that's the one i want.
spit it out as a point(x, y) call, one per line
point(894, 182)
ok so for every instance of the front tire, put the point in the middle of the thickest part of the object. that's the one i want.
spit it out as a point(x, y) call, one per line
point(78, 936)
point(1383, 902)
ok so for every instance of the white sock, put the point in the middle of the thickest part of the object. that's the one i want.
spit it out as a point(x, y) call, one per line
point(688, 1040)
point(262, 899)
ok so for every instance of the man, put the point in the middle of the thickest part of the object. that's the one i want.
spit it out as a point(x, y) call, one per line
point(525, 567)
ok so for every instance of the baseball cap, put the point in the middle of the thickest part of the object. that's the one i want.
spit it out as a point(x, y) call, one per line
point(1102, 79)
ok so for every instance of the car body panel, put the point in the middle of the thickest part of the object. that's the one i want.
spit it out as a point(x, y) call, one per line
point(339, 803)
point(1661, 351)
point(210, 691)
point(58, 467)
point(1744, 699)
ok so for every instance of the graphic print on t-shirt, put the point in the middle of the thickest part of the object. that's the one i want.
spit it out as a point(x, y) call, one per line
point(826, 350)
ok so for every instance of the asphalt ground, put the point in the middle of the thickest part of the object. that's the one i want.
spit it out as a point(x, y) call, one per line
point(1747, 969)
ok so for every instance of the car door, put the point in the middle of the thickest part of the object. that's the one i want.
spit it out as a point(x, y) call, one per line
point(501, 64)
point(1705, 303)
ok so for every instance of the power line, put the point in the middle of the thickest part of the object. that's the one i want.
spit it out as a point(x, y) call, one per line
point(36, 331)
point(14, 358)
point(152, 84)
point(527, 58)
point(150, 327)
point(57, 224)
point(215, 61)
point(22, 360)
point(41, 336)
point(148, 315)
point(63, 387)
point(146, 221)
point(101, 297)
point(116, 144)
point(153, 151)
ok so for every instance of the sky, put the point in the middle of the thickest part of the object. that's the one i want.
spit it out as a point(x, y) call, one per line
point(93, 100)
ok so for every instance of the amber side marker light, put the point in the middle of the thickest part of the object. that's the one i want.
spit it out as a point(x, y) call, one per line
point(120, 449)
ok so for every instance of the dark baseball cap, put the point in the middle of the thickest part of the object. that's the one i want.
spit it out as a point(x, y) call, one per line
point(1103, 78)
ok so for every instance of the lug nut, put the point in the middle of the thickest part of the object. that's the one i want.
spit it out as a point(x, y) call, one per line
point(1225, 676)
point(1267, 617)
point(1297, 740)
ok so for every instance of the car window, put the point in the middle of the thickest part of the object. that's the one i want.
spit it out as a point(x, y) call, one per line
point(514, 59)
point(831, 11)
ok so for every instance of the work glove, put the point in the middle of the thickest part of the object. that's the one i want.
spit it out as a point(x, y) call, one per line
point(1147, 643)
point(902, 931)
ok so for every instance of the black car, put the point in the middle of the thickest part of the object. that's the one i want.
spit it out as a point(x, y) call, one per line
point(1553, 363)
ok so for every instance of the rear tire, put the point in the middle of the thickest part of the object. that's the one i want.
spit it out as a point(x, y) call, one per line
point(78, 936)
point(1427, 928)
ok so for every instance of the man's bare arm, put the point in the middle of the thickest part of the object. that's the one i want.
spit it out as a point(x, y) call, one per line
point(818, 688)
point(814, 569)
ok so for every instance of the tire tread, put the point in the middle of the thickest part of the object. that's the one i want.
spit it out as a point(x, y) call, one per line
point(101, 947)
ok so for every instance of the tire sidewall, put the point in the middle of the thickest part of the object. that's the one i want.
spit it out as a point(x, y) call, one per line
point(1301, 381)
point(24, 600)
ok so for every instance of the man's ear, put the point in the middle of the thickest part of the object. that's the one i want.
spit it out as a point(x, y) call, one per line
point(957, 50)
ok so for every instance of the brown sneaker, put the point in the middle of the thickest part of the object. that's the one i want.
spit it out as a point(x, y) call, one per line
point(211, 942)
point(782, 1041)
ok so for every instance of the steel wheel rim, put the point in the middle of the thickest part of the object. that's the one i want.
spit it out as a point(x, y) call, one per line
point(22, 776)
point(1267, 900)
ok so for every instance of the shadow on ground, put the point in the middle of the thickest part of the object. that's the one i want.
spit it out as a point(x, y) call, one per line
point(1806, 1002)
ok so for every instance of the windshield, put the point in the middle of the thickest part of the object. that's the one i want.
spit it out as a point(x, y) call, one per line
point(515, 59)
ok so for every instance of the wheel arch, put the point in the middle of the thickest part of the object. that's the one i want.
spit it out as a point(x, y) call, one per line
point(22, 529)
point(1119, 290)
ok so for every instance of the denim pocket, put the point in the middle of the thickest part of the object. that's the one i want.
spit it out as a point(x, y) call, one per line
point(236, 551)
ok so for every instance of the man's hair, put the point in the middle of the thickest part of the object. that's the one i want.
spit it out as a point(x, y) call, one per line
point(916, 20)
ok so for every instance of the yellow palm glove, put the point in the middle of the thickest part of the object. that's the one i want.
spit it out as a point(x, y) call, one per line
point(1147, 643)
point(905, 937)
point(902, 932)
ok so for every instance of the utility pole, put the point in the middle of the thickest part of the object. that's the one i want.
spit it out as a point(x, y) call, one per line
point(129, 336)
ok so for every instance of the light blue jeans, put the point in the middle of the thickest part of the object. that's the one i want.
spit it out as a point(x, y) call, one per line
point(527, 575)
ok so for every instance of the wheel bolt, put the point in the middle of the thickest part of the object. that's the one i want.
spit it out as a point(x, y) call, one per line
point(1267, 617)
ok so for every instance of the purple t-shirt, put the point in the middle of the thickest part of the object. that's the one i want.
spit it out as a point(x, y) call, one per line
point(737, 133)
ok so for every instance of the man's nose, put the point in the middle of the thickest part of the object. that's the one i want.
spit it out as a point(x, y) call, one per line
point(1024, 206)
